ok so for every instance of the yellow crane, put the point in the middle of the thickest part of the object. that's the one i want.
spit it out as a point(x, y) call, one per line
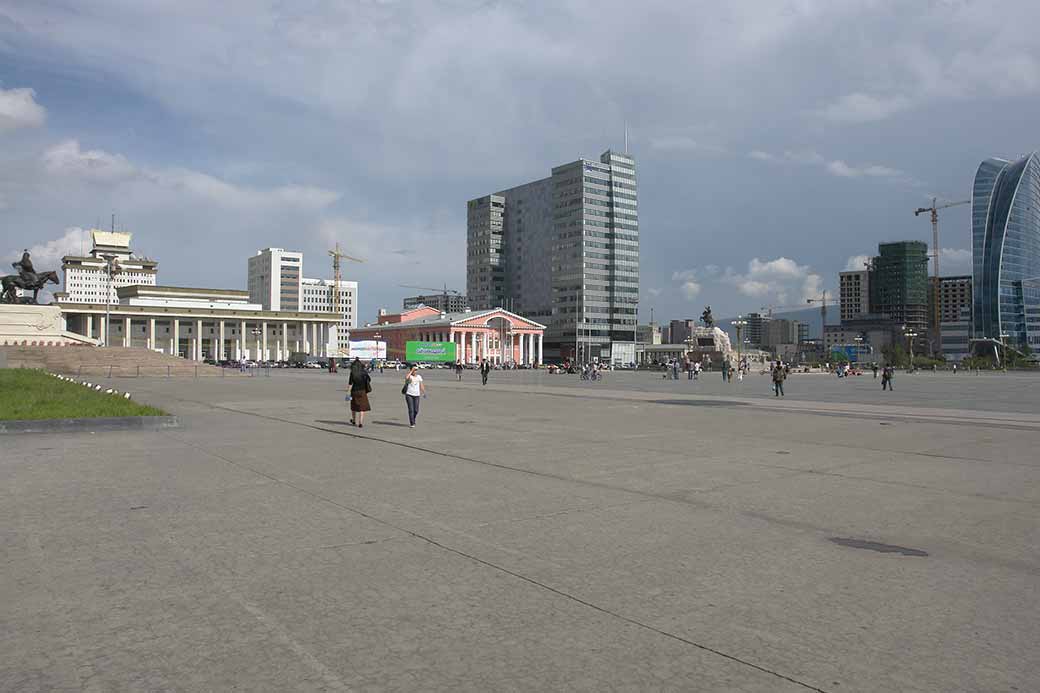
point(337, 302)
point(936, 282)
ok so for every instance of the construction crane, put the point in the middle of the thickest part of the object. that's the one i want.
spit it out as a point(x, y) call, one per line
point(936, 282)
point(337, 304)
point(444, 291)
point(822, 300)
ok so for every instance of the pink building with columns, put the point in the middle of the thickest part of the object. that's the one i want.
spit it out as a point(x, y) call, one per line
point(495, 334)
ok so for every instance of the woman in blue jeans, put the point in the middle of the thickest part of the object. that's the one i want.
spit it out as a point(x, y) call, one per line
point(413, 390)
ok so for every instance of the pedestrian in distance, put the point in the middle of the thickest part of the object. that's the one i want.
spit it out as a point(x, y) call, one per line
point(360, 383)
point(485, 368)
point(874, 368)
point(413, 390)
point(887, 373)
point(778, 380)
point(458, 370)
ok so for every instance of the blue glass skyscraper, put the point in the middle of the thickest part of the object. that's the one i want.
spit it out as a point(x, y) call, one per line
point(1005, 229)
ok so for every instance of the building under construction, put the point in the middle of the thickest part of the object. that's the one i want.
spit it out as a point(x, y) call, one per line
point(445, 303)
point(899, 284)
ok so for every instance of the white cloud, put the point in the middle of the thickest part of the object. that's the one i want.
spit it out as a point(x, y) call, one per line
point(844, 170)
point(955, 261)
point(683, 143)
point(48, 255)
point(835, 167)
point(856, 263)
point(863, 108)
point(778, 281)
point(759, 155)
point(690, 289)
point(68, 160)
point(18, 109)
point(654, 292)
point(689, 285)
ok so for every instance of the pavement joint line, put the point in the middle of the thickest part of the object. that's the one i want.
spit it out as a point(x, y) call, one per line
point(955, 417)
point(762, 517)
point(499, 568)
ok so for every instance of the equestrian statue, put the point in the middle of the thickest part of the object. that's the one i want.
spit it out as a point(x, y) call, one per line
point(707, 318)
point(27, 279)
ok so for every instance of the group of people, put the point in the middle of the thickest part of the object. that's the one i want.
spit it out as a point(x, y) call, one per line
point(359, 385)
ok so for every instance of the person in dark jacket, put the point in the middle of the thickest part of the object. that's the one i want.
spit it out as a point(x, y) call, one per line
point(485, 368)
point(360, 385)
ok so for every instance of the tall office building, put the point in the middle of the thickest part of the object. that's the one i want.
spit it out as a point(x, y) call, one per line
point(317, 298)
point(756, 328)
point(680, 330)
point(1005, 229)
point(563, 250)
point(86, 277)
point(780, 331)
point(854, 289)
point(898, 278)
point(274, 279)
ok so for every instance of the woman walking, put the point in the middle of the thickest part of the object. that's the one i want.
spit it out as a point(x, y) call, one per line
point(360, 385)
point(413, 389)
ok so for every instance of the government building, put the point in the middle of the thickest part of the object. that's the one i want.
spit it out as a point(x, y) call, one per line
point(282, 313)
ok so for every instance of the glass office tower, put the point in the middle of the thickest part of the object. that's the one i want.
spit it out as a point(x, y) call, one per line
point(1005, 220)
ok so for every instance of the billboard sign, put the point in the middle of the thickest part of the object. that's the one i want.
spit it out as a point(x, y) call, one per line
point(430, 351)
point(367, 350)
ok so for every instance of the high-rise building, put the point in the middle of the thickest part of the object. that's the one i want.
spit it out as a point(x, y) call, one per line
point(274, 279)
point(803, 332)
point(317, 298)
point(445, 303)
point(780, 331)
point(898, 278)
point(86, 277)
point(648, 334)
point(954, 297)
point(855, 294)
point(756, 328)
point(1005, 229)
point(680, 330)
point(563, 250)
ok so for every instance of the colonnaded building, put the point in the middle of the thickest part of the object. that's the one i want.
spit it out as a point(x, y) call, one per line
point(563, 250)
point(1005, 225)
point(269, 321)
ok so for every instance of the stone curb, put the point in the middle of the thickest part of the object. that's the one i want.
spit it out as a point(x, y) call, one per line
point(105, 423)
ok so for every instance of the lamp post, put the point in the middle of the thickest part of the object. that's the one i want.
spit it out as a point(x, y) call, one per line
point(111, 267)
point(910, 334)
point(859, 346)
point(740, 323)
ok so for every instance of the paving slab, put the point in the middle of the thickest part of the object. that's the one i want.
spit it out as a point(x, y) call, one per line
point(539, 533)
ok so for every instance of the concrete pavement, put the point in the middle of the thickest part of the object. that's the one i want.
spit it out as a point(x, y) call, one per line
point(536, 534)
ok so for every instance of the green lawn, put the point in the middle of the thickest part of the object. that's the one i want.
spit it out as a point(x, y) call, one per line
point(32, 394)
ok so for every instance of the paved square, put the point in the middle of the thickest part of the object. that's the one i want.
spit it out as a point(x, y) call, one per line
point(536, 534)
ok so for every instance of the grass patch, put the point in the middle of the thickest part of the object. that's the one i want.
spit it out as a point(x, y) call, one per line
point(33, 394)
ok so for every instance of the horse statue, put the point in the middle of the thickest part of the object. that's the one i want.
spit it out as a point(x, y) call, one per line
point(707, 318)
point(14, 281)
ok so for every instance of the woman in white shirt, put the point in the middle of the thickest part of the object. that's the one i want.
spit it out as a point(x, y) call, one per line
point(413, 390)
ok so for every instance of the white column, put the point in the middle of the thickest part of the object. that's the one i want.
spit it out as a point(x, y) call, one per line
point(484, 344)
point(540, 348)
point(315, 348)
point(531, 349)
point(175, 338)
point(521, 337)
point(285, 342)
point(90, 326)
point(220, 347)
point(126, 332)
point(263, 350)
point(198, 340)
point(242, 341)
point(151, 333)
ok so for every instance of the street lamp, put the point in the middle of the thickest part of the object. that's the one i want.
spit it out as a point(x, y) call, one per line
point(111, 267)
point(740, 323)
point(859, 346)
point(910, 334)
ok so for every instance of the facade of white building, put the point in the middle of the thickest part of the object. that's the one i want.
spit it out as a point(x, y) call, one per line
point(274, 279)
point(86, 277)
point(317, 298)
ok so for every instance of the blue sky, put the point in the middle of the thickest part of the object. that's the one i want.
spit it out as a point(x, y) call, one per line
point(776, 141)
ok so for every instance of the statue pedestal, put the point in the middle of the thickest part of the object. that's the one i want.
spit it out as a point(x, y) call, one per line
point(28, 325)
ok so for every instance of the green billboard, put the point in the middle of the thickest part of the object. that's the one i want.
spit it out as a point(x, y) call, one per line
point(430, 351)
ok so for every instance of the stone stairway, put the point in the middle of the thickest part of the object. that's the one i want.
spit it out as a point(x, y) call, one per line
point(116, 362)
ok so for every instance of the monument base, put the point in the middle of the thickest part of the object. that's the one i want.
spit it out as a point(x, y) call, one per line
point(29, 325)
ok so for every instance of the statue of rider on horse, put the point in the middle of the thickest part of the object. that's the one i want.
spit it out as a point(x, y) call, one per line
point(27, 279)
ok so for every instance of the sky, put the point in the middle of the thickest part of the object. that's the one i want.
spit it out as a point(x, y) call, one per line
point(777, 141)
